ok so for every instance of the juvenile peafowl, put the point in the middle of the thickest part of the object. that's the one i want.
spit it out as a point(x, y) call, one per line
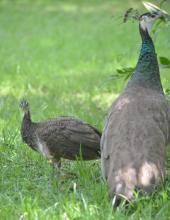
point(136, 131)
point(62, 137)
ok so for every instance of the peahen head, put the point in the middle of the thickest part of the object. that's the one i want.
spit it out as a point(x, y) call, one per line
point(148, 19)
point(24, 105)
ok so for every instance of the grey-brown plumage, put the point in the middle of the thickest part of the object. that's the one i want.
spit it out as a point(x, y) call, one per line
point(136, 132)
point(62, 137)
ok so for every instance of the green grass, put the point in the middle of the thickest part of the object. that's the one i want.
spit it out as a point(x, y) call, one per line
point(61, 56)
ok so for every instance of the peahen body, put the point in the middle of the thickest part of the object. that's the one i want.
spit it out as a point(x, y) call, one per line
point(62, 137)
point(136, 132)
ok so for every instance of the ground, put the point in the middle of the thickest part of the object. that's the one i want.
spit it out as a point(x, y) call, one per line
point(62, 56)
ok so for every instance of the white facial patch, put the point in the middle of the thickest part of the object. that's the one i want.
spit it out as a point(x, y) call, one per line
point(147, 23)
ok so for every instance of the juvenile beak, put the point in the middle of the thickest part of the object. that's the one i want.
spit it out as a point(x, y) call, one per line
point(162, 14)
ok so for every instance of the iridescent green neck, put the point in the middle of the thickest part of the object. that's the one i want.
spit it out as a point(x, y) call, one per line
point(147, 70)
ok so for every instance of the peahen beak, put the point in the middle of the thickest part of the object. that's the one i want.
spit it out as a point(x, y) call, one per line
point(162, 14)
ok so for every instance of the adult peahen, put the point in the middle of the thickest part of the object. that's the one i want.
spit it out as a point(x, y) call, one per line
point(62, 137)
point(136, 132)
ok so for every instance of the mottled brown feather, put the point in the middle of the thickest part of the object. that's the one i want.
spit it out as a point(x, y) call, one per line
point(68, 136)
point(62, 137)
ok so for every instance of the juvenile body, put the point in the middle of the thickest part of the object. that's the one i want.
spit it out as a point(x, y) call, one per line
point(62, 137)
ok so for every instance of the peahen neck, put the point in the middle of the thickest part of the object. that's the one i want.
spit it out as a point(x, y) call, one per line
point(147, 70)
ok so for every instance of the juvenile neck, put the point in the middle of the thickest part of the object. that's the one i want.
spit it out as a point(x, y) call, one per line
point(147, 70)
point(27, 130)
point(27, 116)
point(26, 125)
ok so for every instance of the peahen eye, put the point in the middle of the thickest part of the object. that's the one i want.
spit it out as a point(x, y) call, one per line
point(147, 57)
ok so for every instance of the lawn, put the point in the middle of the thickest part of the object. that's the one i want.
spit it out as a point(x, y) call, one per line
point(62, 56)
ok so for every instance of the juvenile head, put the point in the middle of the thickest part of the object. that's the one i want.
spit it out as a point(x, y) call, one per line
point(24, 105)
